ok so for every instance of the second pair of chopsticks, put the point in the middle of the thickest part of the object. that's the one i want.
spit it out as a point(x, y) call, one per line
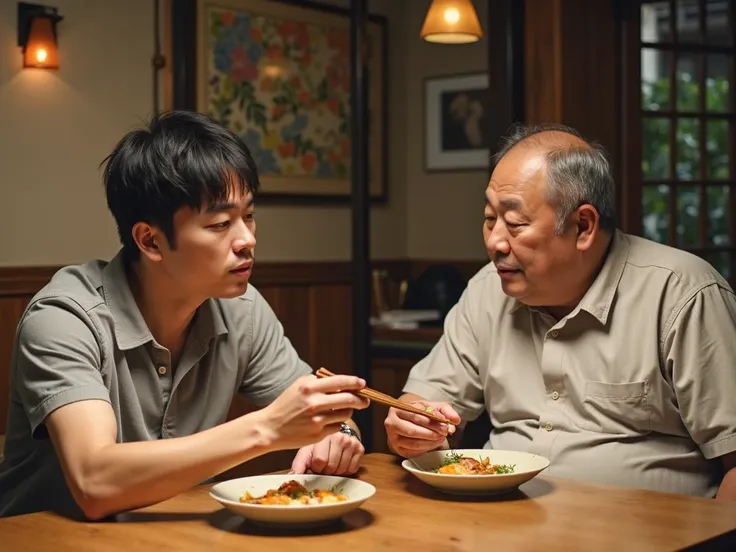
point(377, 396)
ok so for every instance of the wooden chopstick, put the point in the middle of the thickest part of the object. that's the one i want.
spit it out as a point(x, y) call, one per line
point(325, 373)
point(377, 396)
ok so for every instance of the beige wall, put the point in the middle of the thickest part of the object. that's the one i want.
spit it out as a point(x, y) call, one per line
point(56, 127)
point(445, 210)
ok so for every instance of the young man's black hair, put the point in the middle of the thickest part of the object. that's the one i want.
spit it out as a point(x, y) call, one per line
point(180, 159)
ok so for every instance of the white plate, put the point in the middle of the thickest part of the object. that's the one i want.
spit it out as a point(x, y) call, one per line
point(526, 467)
point(228, 494)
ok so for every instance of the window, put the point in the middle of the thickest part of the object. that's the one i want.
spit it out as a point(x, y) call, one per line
point(679, 130)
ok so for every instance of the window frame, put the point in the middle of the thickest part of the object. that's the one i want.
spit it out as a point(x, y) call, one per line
point(631, 195)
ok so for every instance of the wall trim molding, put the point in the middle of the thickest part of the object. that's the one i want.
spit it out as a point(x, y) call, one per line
point(28, 280)
point(24, 280)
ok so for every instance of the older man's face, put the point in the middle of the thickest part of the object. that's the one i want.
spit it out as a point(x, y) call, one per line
point(536, 265)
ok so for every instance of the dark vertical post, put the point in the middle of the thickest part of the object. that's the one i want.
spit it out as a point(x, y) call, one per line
point(184, 53)
point(360, 205)
point(505, 32)
point(732, 147)
point(156, 53)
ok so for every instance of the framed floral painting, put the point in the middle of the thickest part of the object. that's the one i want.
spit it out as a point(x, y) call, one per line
point(277, 73)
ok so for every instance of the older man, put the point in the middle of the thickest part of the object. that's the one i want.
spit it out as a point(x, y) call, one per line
point(611, 355)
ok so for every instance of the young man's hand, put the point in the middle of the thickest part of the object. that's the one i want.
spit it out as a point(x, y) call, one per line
point(336, 454)
point(310, 410)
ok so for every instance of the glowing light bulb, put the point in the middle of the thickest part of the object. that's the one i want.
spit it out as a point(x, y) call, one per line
point(452, 16)
point(41, 55)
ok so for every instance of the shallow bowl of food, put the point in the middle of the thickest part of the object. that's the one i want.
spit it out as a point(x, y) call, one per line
point(475, 471)
point(288, 499)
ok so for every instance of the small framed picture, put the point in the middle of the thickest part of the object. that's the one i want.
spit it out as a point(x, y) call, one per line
point(457, 109)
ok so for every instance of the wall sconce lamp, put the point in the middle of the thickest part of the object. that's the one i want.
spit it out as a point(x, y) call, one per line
point(37, 35)
point(451, 22)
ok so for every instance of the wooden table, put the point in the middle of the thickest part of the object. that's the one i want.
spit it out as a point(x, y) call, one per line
point(545, 514)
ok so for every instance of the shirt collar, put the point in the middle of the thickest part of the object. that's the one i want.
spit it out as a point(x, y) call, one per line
point(598, 300)
point(131, 329)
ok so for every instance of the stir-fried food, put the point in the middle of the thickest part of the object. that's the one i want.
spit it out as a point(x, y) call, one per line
point(293, 493)
point(456, 464)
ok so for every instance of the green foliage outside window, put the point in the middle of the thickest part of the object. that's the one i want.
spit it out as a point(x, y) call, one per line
point(656, 163)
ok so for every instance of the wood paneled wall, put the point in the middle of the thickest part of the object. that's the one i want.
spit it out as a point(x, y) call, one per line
point(17, 286)
point(572, 70)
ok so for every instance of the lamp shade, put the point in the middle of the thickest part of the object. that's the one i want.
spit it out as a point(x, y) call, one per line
point(451, 22)
point(40, 50)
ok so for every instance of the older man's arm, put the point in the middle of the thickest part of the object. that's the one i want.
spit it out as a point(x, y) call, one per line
point(698, 349)
point(727, 490)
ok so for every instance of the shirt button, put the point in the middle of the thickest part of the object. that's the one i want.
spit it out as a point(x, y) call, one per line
point(555, 395)
point(162, 370)
point(548, 426)
point(554, 333)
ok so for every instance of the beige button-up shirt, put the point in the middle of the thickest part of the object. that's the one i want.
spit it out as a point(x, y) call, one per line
point(635, 387)
point(82, 337)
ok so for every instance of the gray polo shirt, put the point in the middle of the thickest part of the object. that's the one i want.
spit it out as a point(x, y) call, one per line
point(82, 337)
point(635, 387)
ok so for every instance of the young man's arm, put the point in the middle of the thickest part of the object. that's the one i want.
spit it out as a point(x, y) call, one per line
point(274, 364)
point(107, 477)
point(58, 375)
point(354, 427)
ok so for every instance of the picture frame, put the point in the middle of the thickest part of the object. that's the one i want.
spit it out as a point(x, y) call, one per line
point(456, 132)
point(277, 72)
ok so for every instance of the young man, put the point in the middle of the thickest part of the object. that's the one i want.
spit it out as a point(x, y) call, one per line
point(123, 372)
point(608, 354)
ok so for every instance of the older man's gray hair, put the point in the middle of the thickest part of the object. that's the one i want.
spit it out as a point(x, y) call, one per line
point(576, 174)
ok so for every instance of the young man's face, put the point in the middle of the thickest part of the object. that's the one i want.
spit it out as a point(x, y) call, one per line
point(214, 247)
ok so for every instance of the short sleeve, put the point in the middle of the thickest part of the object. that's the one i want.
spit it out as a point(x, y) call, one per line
point(274, 363)
point(57, 360)
point(699, 353)
point(450, 373)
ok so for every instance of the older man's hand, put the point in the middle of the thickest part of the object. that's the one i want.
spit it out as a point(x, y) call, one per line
point(410, 435)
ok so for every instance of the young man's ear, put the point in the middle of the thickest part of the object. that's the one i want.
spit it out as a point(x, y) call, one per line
point(147, 239)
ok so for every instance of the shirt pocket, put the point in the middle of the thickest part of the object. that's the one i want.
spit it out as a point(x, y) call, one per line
point(617, 408)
